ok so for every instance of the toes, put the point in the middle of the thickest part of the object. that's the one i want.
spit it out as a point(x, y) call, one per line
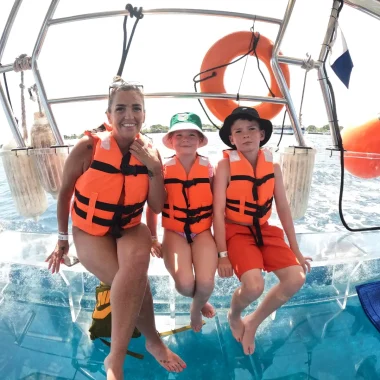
point(249, 349)
point(172, 367)
point(178, 367)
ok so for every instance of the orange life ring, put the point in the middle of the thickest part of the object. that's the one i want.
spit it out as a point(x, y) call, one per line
point(224, 51)
point(363, 139)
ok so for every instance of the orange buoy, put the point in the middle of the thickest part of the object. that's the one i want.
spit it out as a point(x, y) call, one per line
point(362, 139)
point(226, 50)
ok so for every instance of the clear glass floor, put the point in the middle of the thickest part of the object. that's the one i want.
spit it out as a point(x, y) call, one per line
point(316, 341)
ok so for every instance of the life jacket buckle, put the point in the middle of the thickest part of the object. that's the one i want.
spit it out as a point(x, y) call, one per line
point(127, 169)
point(195, 219)
point(188, 183)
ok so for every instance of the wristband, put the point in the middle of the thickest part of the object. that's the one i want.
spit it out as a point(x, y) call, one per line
point(63, 236)
point(223, 254)
point(154, 239)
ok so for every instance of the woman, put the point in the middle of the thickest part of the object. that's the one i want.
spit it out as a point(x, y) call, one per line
point(113, 173)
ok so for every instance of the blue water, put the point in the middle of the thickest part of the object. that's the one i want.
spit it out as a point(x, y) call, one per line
point(38, 339)
point(361, 202)
point(306, 342)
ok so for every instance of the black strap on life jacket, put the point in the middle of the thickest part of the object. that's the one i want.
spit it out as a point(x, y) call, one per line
point(192, 216)
point(255, 182)
point(125, 167)
point(117, 221)
point(186, 184)
point(130, 211)
point(258, 211)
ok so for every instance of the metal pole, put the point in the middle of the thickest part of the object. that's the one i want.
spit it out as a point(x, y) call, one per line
point(321, 74)
point(363, 9)
point(37, 76)
point(183, 95)
point(295, 61)
point(4, 101)
point(8, 26)
point(280, 76)
point(163, 11)
point(6, 68)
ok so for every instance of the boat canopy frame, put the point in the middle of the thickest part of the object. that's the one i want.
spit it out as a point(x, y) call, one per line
point(276, 59)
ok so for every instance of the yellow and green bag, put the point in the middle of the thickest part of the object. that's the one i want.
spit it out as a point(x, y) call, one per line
point(101, 318)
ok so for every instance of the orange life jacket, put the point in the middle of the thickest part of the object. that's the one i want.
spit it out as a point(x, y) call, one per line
point(249, 194)
point(96, 209)
point(189, 197)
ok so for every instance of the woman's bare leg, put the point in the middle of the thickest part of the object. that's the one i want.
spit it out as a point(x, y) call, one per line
point(154, 345)
point(103, 263)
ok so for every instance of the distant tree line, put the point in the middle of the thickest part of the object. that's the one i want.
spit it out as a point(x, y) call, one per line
point(73, 136)
point(159, 128)
point(324, 129)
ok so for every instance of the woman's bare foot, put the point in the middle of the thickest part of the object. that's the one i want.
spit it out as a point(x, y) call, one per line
point(167, 358)
point(236, 325)
point(208, 310)
point(114, 367)
point(195, 319)
point(250, 329)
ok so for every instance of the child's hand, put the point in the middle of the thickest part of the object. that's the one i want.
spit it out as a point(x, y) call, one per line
point(155, 251)
point(224, 267)
point(304, 262)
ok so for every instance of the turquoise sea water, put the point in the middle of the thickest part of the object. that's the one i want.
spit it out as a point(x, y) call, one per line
point(306, 340)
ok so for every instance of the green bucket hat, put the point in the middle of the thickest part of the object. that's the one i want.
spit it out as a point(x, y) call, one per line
point(184, 121)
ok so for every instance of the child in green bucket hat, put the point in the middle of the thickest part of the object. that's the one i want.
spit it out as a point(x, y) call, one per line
point(188, 247)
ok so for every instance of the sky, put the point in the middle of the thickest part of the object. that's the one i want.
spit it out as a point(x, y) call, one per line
point(81, 58)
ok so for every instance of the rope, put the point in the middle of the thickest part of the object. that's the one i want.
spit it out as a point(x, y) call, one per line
point(245, 63)
point(133, 12)
point(303, 94)
point(308, 64)
point(22, 63)
point(23, 113)
point(252, 49)
point(34, 98)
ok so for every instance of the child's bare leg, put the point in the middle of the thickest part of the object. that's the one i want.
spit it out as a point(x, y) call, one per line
point(178, 261)
point(291, 280)
point(252, 286)
point(205, 260)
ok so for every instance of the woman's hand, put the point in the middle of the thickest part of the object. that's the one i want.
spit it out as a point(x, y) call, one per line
point(225, 267)
point(146, 155)
point(56, 257)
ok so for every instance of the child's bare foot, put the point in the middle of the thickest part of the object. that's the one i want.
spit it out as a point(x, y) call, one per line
point(114, 367)
point(195, 319)
point(236, 325)
point(248, 340)
point(208, 310)
point(167, 358)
